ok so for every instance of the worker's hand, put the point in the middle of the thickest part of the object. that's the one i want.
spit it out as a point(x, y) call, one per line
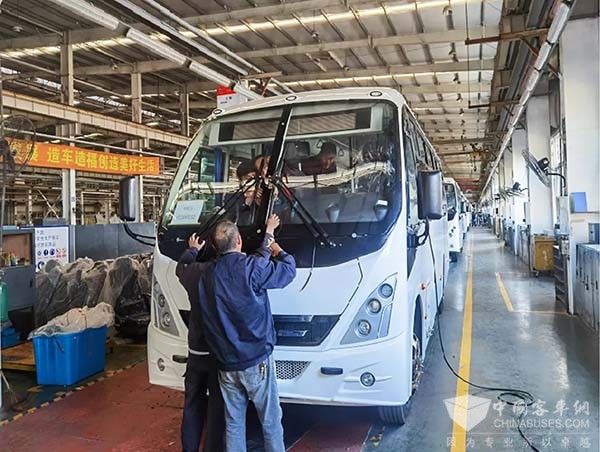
point(273, 223)
point(275, 249)
point(194, 242)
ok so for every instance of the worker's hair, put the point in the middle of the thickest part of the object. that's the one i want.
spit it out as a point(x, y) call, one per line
point(224, 236)
point(328, 149)
point(244, 169)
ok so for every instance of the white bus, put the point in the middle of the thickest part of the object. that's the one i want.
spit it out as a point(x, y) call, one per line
point(465, 214)
point(456, 231)
point(353, 327)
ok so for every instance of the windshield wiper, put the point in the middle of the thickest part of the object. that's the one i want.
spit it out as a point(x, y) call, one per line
point(227, 205)
point(311, 223)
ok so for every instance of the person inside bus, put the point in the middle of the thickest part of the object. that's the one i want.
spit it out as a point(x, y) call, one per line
point(244, 210)
point(201, 369)
point(322, 163)
point(238, 324)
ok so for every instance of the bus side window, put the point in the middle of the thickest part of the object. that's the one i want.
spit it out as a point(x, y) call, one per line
point(428, 156)
point(411, 173)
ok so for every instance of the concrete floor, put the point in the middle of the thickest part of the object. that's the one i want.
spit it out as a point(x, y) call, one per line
point(535, 347)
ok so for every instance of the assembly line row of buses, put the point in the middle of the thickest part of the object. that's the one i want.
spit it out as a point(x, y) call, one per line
point(371, 221)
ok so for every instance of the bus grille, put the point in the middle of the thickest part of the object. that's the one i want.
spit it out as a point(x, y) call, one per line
point(297, 330)
point(288, 370)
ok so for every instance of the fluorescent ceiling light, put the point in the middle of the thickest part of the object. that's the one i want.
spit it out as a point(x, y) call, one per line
point(156, 47)
point(533, 80)
point(519, 112)
point(89, 12)
point(543, 55)
point(209, 74)
point(525, 97)
point(558, 23)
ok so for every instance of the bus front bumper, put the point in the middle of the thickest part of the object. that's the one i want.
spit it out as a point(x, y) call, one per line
point(309, 376)
point(312, 381)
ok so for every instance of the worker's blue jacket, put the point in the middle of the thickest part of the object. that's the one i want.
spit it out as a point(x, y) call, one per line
point(236, 313)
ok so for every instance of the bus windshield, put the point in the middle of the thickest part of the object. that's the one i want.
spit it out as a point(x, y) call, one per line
point(340, 162)
point(450, 195)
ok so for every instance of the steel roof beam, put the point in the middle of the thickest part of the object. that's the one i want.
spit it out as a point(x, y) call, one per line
point(200, 86)
point(68, 113)
point(373, 42)
point(165, 65)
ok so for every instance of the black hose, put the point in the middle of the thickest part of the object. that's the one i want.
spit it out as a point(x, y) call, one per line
point(136, 236)
point(523, 398)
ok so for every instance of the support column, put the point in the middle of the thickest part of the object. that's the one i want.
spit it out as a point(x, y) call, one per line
point(538, 137)
point(501, 186)
point(519, 143)
point(67, 95)
point(29, 207)
point(508, 176)
point(136, 116)
point(580, 92)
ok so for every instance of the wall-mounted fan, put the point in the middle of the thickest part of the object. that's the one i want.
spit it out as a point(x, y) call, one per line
point(17, 144)
point(538, 167)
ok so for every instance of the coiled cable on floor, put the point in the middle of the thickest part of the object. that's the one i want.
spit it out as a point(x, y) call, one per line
point(509, 396)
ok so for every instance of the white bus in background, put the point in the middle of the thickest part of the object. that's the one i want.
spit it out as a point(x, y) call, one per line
point(465, 213)
point(456, 218)
point(468, 209)
point(353, 327)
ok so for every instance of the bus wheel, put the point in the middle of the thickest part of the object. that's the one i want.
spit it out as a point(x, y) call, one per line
point(397, 415)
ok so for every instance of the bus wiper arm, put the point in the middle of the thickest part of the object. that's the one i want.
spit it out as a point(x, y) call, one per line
point(311, 223)
point(228, 204)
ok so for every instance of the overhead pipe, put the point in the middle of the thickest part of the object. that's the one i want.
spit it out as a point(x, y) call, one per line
point(171, 32)
point(206, 37)
point(557, 26)
point(91, 13)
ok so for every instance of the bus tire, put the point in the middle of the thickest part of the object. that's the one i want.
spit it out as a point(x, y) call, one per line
point(453, 256)
point(394, 415)
point(397, 414)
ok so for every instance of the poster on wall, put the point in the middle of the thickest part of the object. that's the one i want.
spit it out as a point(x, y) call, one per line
point(51, 242)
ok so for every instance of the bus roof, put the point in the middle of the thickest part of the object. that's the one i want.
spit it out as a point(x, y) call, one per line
point(373, 93)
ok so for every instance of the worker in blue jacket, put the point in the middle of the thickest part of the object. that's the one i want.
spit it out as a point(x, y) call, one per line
point(238, 325)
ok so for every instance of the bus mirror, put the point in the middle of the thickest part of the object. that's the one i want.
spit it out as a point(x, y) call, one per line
point(429, 190)
point(127, 194)
point(451, 213)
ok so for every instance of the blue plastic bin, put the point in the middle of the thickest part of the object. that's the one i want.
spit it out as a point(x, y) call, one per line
point(10, 337)
point(64, 359)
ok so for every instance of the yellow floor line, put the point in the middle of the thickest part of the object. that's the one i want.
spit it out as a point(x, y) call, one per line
point(459, 435)
point(504, 293)
point(509, 305)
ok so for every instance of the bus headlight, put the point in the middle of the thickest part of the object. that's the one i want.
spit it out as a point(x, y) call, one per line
point(373, 318)
point(163, 318)
point(386, 290)
point(364, 327)
point(374, 306)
